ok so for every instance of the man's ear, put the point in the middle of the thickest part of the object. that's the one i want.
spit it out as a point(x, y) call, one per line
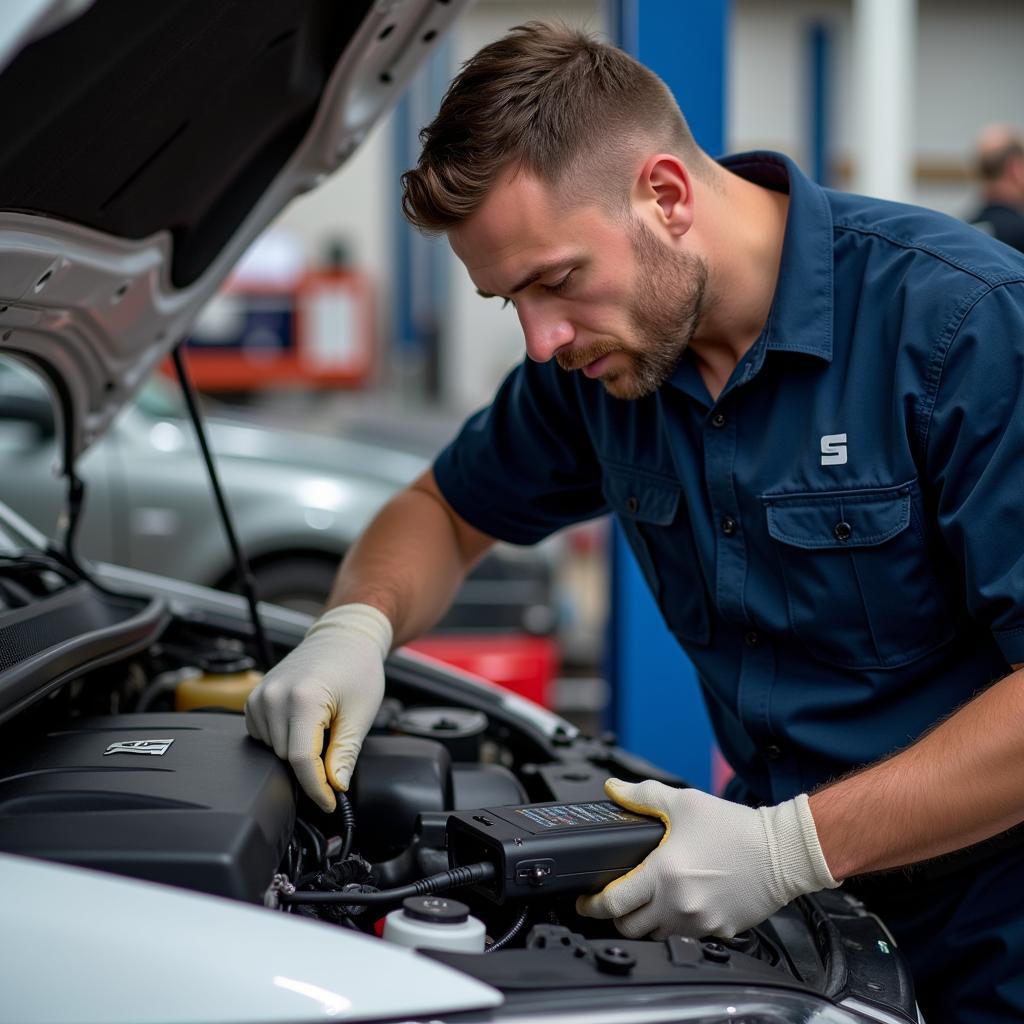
point(663, 187)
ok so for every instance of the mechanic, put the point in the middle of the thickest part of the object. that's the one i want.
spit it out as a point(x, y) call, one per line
point(999, 158)
point(804, 407)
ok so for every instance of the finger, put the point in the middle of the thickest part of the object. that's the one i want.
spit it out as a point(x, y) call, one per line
point(343, 748)
point(620, 896)
point(593, 906)
point(309, 771)
point(639, 922)
point(648, 797)
point(254, 721)
point(277, 726)
point(305, 740)
point(644, 798)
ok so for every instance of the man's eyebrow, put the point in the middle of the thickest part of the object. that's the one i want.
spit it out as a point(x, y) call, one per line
point(535, 275)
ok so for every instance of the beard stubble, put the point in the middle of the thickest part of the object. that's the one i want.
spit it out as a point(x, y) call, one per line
point(664, 315)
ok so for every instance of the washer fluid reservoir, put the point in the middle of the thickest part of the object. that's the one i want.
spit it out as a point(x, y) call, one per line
point(225, 680)
point(435, 922)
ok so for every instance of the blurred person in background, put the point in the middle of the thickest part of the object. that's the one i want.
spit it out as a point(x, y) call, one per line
point(999, 163)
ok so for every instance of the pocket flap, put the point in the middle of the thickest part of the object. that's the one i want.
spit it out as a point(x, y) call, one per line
point(839, 519)
point(646, 499)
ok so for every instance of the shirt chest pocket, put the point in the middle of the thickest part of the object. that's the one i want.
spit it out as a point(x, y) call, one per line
point(655, 521)
point(860, 587)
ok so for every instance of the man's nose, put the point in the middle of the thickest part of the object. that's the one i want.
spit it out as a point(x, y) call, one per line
point(544, 331)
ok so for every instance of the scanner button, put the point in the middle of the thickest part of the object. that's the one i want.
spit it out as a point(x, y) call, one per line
point(534, 872)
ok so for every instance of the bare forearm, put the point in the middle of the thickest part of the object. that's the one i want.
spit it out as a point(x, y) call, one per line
point(410, 561)
point(959, 784)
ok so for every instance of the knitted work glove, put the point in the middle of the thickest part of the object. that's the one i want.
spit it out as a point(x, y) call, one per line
point(333, 680)
point(719, 869)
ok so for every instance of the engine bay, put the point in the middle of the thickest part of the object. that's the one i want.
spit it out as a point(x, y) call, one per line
point(123, 765)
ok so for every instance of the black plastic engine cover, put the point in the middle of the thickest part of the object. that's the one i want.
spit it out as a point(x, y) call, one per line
point(184, 799)
point(395, 779)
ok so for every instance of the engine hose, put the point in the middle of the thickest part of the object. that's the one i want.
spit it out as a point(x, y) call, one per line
point(348, 819)
point(517, 927)
point(453, 878)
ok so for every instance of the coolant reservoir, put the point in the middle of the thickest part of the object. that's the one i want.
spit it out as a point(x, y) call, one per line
point(435, 922)
point(225, 681)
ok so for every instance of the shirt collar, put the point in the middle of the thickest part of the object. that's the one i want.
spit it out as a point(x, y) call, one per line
point(800, 319)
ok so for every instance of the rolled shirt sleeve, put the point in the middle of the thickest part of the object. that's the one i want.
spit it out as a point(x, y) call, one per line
point(524, 466)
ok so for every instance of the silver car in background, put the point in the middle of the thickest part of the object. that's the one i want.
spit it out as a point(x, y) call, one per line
point(299, 501)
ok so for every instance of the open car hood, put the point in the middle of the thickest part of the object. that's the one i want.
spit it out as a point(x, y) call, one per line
point(147, 145)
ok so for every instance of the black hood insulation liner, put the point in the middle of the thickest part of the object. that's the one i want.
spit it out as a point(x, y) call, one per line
point(140, 117)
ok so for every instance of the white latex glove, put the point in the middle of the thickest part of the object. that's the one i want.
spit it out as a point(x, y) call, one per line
point(333, 680)
point(720, 868)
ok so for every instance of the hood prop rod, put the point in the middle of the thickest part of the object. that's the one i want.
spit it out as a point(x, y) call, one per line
point(245, 576)
point(68, 523)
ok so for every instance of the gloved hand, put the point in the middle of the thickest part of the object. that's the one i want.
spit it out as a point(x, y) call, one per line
point(333, 680)
point(720, 868)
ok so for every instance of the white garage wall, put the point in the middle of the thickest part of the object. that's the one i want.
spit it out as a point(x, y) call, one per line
point(768, 85)
point(970, 70)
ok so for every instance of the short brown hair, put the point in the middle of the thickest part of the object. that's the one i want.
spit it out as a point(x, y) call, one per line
point(543, 98)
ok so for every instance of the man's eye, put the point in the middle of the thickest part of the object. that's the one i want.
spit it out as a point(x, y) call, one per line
point(505, 303)
point(560, 286)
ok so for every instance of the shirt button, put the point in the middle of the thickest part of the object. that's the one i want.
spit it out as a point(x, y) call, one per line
point(843, 530)
point(772, 752)
point(632, 504)
point(728, 526)
point(752, 638)
point(718, 420)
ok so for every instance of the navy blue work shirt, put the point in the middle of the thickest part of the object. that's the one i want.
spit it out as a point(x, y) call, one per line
point(838, 541)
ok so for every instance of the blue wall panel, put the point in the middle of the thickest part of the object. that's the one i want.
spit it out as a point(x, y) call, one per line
point(657, 709)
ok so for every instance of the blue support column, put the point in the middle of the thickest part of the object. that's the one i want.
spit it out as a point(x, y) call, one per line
point(819, 102)
point(657, 708)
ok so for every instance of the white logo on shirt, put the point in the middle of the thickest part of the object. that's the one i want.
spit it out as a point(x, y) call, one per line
point(833, 450)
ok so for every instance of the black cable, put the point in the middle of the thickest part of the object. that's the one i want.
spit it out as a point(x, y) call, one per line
point(64, 551)
point(245, 577)
point(60, 562)
point(453, 878)
point(348, 820)
point(76, 500)
point(517, 927)
point(315, 840)
point(31, 561)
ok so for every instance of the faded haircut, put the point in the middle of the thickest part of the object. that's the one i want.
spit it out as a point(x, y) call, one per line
point(551, 100)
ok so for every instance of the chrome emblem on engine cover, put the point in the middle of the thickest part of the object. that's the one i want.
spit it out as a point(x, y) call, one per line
point(155, 748)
